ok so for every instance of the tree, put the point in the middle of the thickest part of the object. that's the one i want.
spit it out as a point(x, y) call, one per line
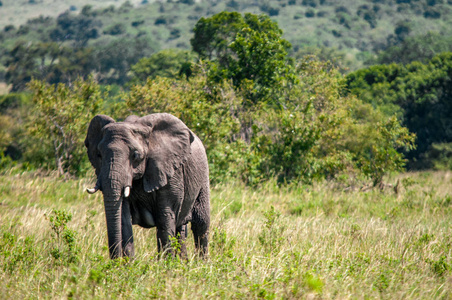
point(78, 28)
point(50, 62)
point(317, 134)
point(418, 48)
point(22, 65)
point(249, 50)
point(14, 107)
point(213, 35)
point(71, 63)
point(59, 119)
point(260, 57)
point(418, 93)
point(115, 59)
point(169, 63)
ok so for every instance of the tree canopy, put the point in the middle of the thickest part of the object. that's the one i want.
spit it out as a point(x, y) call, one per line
point(247, 49)
point(260, 113)
point(169, 63)
point(418, 93)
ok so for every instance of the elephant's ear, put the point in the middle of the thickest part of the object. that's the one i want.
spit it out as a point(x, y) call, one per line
point(93, 137)
point(169, 145)
point(132, 119)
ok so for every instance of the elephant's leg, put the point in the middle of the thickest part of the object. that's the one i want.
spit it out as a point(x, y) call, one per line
point(126, 228)
point(166, 230)
point(181, 233)
point(201, 221)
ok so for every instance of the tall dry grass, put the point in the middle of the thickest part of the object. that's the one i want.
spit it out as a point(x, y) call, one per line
point(310, 242)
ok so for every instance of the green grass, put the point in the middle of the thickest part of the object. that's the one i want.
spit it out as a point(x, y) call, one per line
point(310, 242)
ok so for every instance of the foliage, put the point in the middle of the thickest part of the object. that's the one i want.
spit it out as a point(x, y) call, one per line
point(333, 55)
point(6, 139)
point(322, 134)
point(360, 29)
point(114, 59)
point(46, 61)
point(248, 50)
point(259, 113)
point(315, 134)
point(65, 238)
point(439, 156)
point(380, 154)
point(417, 48)
point(417, 93)
point(59, 121)
point(204, 109)
point(56, 60)
point(271, 237)
point(13, 108)
point(21, 65)
point(79, 28)
point(213, 35)
point(170, 63)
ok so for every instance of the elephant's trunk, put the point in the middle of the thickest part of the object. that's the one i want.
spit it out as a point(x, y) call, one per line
point(113, 191)
point(113, 212)
point(115, 181)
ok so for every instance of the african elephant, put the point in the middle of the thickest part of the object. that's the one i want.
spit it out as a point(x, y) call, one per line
point(153, 172)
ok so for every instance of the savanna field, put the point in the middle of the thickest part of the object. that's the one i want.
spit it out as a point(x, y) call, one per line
point(322, 241)
point(327, 128)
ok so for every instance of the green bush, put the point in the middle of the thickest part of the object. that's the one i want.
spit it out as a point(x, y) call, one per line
point(58, 122)
point(314, 134)
point(439, 156)
point(259, 113)
point(417, 93)
point(166, 63)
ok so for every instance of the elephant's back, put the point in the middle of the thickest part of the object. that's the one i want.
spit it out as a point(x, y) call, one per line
point(198, 153)
point(196, 168)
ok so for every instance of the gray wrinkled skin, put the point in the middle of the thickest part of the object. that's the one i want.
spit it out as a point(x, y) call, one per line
point(164, 165)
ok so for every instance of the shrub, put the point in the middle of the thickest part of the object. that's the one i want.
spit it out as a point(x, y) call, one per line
point(58, 122)
point(206, 110)
point(310, 13)
point(416, 93)
point(116, 29)
point(315, 133)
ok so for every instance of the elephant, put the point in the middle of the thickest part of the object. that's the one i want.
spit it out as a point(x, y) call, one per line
point(152, 172)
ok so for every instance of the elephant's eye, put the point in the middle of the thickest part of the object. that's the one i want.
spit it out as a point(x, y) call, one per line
point(136, 156)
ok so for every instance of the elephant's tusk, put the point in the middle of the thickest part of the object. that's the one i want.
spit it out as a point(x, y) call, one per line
point(93, 190)
point(127, 191)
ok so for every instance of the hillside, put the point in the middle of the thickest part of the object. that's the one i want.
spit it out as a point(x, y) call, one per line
point(18, 12)
point(355, 28)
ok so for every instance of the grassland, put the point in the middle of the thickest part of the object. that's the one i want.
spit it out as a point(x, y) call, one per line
point(325, 241)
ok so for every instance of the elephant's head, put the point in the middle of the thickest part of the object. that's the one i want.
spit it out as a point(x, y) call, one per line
point(148, 148)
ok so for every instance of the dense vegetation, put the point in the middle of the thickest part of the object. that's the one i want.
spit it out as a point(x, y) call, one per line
point(265, 68)
point(260, 113)
point(420, 94)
